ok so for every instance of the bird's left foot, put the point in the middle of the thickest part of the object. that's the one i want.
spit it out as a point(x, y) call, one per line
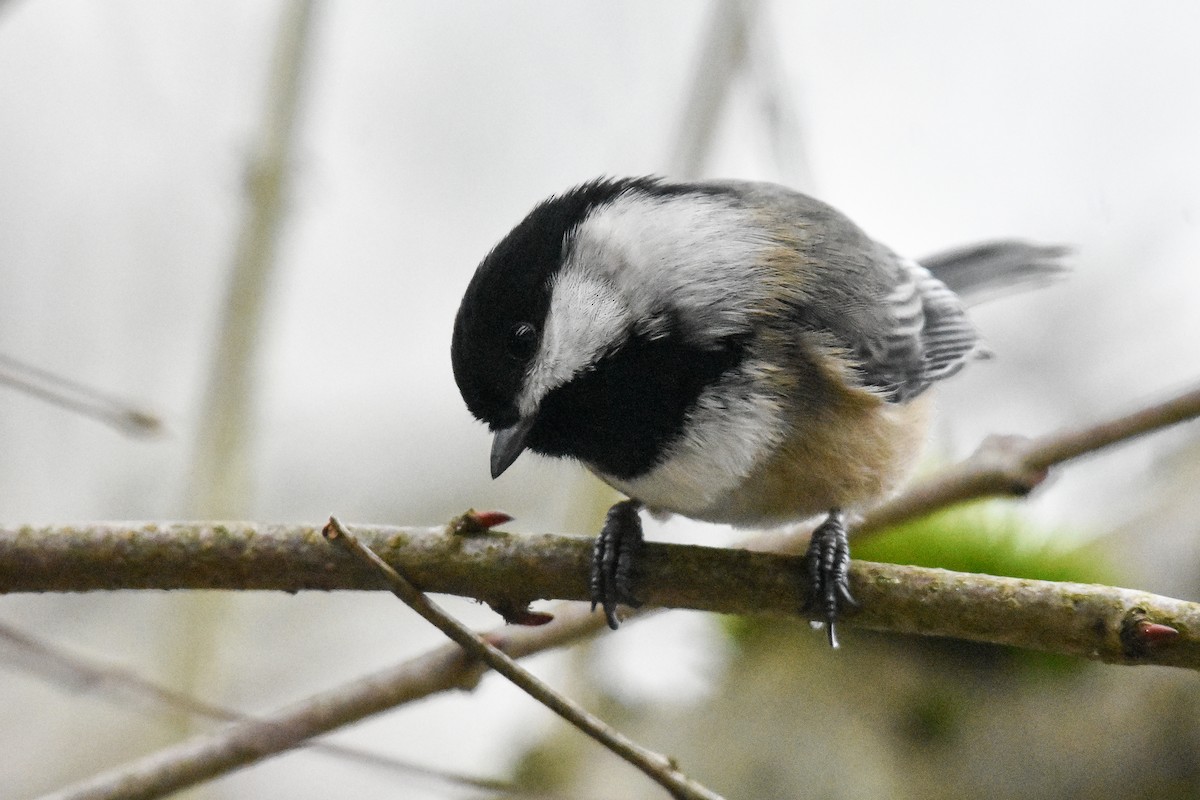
point(828, 565)
point(614, 558)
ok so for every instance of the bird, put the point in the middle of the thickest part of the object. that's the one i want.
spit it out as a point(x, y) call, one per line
point(729, 351)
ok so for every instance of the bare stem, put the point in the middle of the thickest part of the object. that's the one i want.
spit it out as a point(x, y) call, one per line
point(79, 397)
point(249, 741)
point(657, 767)
point(76, 672)
point(1014, 466)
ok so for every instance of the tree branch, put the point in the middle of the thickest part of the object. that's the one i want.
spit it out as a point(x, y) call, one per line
point(508, 571)
point(79, 397)
point(76, 672)
point(1014, 466)
point(246, 742)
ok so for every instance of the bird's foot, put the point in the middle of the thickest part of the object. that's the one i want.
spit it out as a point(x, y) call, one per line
point(828, 565)
point(614, 559)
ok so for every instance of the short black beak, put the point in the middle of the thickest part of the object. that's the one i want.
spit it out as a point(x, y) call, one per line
point(509, 443)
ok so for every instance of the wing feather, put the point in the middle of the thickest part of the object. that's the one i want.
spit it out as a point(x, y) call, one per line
point(902, 327)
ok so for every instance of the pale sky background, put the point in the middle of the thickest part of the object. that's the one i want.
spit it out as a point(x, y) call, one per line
point(428, 130)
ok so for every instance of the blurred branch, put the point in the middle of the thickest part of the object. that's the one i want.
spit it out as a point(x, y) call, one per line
point(721, 57)
point(245, 742)
point(80, 673)
point(739, 41)
point(78, 397)
point(220, 470)
point(655, 766)
point(777, 102)
point(1014, 466)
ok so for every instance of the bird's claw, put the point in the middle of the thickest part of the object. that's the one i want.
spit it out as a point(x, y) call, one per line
point(614, 560)
point(828, 565)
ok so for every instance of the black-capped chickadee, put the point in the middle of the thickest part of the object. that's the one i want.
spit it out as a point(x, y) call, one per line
point(730, 351)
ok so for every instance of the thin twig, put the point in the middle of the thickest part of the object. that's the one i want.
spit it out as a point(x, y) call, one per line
point(58, 664)
point(220, 752)
point(1014, 466)
point(79, 397)
point(657, 767)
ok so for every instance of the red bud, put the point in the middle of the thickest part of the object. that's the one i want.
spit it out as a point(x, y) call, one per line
point(1154, 633)
point(489, 519)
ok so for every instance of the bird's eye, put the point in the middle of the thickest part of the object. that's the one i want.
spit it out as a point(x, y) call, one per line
point(522, 341)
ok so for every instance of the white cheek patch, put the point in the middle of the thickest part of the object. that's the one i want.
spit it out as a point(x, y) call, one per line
point(587, 315)
point(696, 255)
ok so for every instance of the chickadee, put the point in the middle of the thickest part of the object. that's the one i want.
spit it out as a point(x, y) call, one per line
point(731, 351)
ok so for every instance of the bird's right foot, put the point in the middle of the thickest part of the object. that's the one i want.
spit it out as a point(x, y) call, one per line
point(614, 560)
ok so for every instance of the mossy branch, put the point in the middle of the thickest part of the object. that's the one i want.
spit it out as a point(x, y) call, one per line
point(508, 571)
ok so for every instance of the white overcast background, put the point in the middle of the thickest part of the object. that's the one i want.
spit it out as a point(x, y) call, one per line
point(427, 131)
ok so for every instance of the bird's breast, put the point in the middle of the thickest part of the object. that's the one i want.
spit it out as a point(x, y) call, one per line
point(769, 463)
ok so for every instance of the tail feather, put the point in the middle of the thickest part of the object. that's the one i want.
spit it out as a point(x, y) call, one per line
point(991, 269)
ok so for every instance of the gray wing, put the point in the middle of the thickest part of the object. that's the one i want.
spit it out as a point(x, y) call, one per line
point(926, 335)
point(902, 326)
